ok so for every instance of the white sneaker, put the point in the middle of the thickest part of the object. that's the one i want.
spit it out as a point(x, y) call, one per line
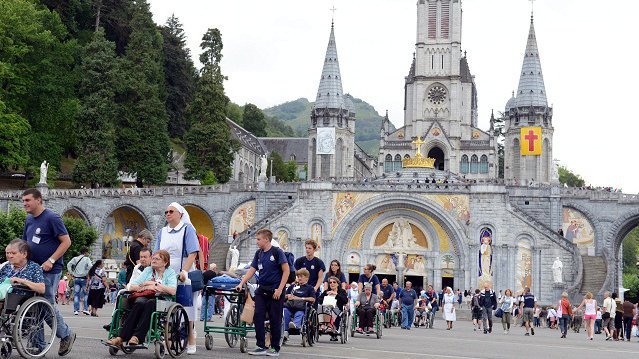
point(505, 332)
point(190, 349)
point(76, 313)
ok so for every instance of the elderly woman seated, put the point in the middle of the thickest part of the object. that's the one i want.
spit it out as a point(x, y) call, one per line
point(335, 291)
point(20, 270)
point(367, 305)
point(158, 278)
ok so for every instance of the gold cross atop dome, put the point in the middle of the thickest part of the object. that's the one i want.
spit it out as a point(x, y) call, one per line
point(418, 161)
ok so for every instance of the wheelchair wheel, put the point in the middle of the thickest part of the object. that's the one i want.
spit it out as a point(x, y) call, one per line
point(33, 315)
point(343, 330)
point(353, 323)
point(5, 350)
point(378, 331)
point(176, 331)
point(232, 321)
point(208, 341)
point(160, 350)
point(243, 344)
point(113, 351)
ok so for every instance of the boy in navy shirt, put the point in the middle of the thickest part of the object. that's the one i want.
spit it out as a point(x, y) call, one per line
point(313, 265)
point(271, 262)
point(296, 297)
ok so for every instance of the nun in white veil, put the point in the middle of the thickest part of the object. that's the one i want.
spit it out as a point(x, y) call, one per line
point(179, 238)
point(449, 308)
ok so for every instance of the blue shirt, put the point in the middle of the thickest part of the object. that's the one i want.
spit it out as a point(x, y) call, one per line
point(31, 272)
point(302, 291)
point(313, 266)
point(408, 296)
point(169, 277)
point(342, 278)
point(373, 280)
point(398, 291)
point(387, 292)
point(269, 265)
point(42, 233)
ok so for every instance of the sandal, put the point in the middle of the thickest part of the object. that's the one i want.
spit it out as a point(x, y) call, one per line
point(134, 341)
point(113, 342)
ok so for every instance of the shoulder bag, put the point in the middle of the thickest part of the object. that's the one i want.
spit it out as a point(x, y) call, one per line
point(196, 277)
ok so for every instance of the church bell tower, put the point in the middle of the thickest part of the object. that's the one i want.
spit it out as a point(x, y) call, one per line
point(528, 123)
point(331, 133)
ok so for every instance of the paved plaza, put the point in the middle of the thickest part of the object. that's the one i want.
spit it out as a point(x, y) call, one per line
point(461, 342)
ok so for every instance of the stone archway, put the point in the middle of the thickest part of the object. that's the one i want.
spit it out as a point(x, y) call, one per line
point(616, 234)
point(75, 212)
point(201, 221)
point(440, 159)
point(361, 214)
point(118, 228)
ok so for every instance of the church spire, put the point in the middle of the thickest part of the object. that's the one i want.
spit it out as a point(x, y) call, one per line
point(531, 90)
point(330, 93)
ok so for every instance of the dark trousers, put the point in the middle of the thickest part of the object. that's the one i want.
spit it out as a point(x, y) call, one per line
point(563, 323)
point(627, 325)
point(366, 316)
point(138, 320)
point(264, 303)
point(487, 318)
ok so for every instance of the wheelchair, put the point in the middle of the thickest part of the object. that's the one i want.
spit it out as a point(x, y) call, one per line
point(168, 331)
point(377, 324)
point(309, 329)
point(342, 331)
point(22, 324)
point(234, 329)
point(422, 318)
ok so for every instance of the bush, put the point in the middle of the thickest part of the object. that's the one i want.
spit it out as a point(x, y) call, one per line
point(12, 226)
point(631, 281)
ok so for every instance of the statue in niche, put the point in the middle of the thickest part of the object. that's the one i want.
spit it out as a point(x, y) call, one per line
point(557, 268)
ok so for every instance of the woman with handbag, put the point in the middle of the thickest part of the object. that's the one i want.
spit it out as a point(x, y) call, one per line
point(179, 239)
point(97, 286)
point(336, 291)
point(158, 278)
point(506, 304)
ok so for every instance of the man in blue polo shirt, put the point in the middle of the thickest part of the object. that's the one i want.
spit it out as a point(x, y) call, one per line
point(527, 308)
point(48, 239)
point(273, 267)
point(313, 265)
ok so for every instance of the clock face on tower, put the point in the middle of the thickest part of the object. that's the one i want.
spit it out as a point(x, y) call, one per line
point(437, 95)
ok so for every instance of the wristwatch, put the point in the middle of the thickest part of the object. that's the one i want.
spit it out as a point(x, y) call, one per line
point(52, 260)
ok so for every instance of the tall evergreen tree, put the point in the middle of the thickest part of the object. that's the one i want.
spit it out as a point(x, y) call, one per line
point(142, 141)
point(179, 76)
point(37, 77)
point(254, 121)
point(209, 148)
point(96, 163)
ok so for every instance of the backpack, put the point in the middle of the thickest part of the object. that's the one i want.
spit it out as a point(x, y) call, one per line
point(73, 266)
point(475, 301)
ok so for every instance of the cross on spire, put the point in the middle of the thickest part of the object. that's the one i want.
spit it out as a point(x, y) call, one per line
point(532, 8)
point(333, 9)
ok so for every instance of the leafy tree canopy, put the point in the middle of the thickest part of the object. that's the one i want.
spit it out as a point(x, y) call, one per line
point(569, 178)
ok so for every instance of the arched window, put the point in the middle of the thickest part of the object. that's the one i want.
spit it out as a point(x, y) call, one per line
point(474, 164)
point(464, 164)
point(483, 164)
point(388, 163)
point(406, 156)
point(516, 168)
point(398, 163)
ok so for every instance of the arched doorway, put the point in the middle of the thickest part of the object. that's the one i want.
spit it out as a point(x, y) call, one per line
point(74, 212)
point(438, 155)
point(624, 235)
point(121, 226)
point(203, 227)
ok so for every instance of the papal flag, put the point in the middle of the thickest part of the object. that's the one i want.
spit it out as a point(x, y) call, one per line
point(530, 141)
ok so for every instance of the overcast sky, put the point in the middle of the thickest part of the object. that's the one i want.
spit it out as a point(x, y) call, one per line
point(274, 51)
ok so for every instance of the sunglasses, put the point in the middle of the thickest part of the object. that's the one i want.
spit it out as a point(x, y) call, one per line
point(169, 211)
point(333, 282)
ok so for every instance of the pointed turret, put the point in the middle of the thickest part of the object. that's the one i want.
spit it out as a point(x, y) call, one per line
point(531, 90)
point(330, 93)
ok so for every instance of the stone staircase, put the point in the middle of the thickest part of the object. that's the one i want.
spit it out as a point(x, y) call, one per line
point(217, 254)
point(594, 274)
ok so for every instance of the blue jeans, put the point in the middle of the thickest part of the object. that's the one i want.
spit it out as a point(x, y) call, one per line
point(298, 316)
point(408, 311)
point(51, 281)
point(208, 306)
point(80, 294)
point(563, 323)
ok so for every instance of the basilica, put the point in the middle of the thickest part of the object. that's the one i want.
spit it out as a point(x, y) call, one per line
point(430, 207)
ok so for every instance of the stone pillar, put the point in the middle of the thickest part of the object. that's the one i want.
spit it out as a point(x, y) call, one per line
point(557, 289)
point(437, 280)
point(44, 189)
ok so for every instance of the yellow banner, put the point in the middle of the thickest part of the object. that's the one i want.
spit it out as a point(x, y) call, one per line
point(530, 141)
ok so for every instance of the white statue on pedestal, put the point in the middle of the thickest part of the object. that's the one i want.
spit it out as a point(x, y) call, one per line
point(263, 166)
point(555, 171)
point(557, 267)
point(235, 257)
point(44, 168)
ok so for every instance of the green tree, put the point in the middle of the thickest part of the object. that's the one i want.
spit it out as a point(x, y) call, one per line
point(631, 281)
point(209, 147)
point(234, 112)
point(630, 250)
point(279, 169)
point(96, 162)
point(253, 120)
point(37, 77)
point(82, 235)
point(179, 76)
point(497, 125)
point(142, 141)
point(570, 179)
point(14, 136)
point(291, 171)
point(11, 225)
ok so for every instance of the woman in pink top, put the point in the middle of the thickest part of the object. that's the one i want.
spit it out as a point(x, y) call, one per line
point(62, 291)
point(590, 313)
